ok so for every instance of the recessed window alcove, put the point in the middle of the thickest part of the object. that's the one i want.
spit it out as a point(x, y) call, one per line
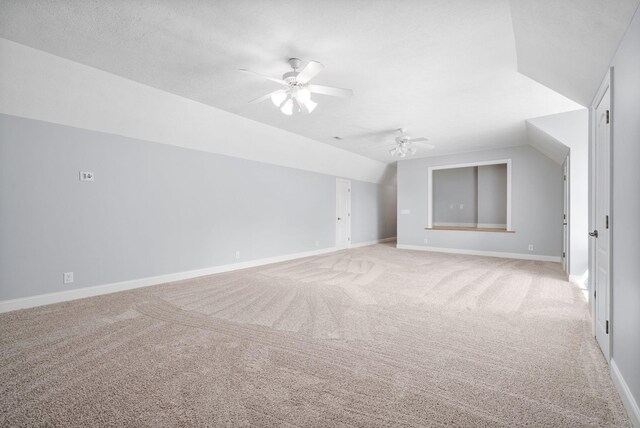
point(470, 197)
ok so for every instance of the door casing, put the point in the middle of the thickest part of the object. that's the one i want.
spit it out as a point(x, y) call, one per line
point(343, 213)
point(566, 215)
point(595, 223)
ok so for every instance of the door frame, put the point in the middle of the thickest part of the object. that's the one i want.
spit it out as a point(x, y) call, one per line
point(348, 183)
point(566, 231)
point(607, 84)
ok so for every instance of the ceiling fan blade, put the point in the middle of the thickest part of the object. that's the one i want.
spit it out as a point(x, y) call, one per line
point(371, 134)
point(417, 140)
point(426, 145)
point(329, 90)
point(273, 79)
point(265, 97)
point(309, 72)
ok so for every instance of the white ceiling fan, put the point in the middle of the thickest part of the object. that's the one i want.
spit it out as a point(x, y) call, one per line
point(403, 146)
point(295, 96)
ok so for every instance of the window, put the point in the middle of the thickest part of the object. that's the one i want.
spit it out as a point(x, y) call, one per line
point(475, 196)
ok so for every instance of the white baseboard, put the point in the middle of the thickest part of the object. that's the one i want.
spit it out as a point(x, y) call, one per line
point(374, 242)
point(628, 400)
point(580, 280)
point(80, 293)
point(538, 257)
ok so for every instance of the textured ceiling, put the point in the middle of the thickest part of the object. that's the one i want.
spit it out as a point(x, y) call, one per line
point(446, 70)
point(568, 45)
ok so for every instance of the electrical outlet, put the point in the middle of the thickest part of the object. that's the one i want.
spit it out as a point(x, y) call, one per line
point(237, 254)
point(86, 176)
point(67, 277)
point(530, 247)
point(425, 240)
point(461, 206)
point(317, 244)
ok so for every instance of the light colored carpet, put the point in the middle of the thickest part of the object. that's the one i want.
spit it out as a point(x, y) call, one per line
point(368, 337)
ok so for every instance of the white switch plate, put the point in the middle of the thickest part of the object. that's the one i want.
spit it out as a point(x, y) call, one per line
point(87, 176)
point(405, 211)
point(530, 247)
point(67, 277)
point(425, 240)
point(237, 254)
point(317, 243)
point(461, 206)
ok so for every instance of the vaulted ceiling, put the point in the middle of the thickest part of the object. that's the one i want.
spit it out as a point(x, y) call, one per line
point(568, 45)
point(454, 71)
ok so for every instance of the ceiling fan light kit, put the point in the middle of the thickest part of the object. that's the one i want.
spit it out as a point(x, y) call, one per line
point(295, 97)
point(404, 145)
point(402, 151)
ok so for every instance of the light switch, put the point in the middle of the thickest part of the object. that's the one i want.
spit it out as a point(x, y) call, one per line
point(405, 211)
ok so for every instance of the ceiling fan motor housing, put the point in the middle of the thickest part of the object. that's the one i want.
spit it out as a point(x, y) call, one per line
point(295, 63)
point(290, 77)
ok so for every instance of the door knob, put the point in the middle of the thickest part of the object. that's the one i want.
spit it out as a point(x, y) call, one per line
point(339, 218)
point(594, 233)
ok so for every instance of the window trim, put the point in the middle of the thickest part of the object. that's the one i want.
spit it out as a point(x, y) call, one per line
point(466, 165)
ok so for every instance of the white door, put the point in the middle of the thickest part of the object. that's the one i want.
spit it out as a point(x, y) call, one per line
point(343, 213)
point(601, 235)
point(565, 218)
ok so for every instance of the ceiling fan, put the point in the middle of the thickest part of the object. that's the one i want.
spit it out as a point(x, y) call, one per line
point(403, 146)
point(295, 96)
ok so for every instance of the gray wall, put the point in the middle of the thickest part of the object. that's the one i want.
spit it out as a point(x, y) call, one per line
point(453, 188)
point(153, 209)
point(571, 129)
point(492, 195)
point(373, 211)
point(625, 320)
point(536, 204)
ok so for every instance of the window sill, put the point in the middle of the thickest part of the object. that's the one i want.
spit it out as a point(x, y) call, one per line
point(470, 229)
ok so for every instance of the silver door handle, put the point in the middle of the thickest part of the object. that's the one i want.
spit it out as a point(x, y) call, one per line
point(594, 233)
point(339, 218)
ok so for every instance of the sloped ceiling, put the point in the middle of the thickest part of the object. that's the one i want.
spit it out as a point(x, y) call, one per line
point(453, 71)
point(568, 45)
point(445, 70)
point(571, 128)
point(546, 144)
point(555, 134)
